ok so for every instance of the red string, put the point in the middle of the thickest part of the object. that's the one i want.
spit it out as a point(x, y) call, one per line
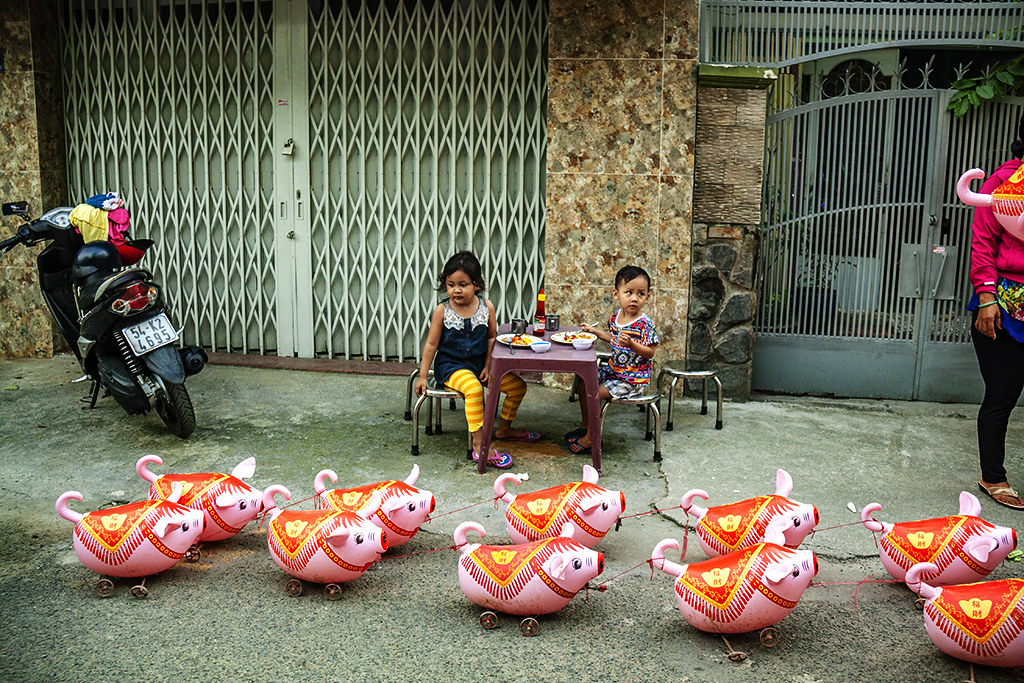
point(650, 512)
point(871, 579)
point(463, 508)
point(422, 552)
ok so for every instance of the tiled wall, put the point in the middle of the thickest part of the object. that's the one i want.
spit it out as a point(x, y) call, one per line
point(31, 163)
point(621, 119)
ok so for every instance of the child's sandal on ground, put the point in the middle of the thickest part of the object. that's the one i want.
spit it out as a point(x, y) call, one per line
point(500, 460)
point(575, 447)
point(1004, 495)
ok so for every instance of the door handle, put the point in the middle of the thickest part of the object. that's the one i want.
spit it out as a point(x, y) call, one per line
point(938, 275)
point(290, 235)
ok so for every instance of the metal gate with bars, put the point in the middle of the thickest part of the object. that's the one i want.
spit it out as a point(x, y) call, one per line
point(306, 166)
point(865, 251)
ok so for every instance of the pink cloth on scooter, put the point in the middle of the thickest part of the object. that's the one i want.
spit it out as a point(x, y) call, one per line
point(118, 220)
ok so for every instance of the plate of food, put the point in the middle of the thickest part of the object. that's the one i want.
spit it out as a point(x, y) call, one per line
point(517, 340)
point(570, 337)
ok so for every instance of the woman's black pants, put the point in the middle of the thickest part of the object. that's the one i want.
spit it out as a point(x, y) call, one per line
point(1002, 368)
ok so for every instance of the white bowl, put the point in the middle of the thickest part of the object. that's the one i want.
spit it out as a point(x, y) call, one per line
point(541, 346)
point(582, 343)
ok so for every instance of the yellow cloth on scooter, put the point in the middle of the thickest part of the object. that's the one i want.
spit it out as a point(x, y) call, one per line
point(91, 222)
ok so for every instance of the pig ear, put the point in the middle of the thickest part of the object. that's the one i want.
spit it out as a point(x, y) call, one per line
point(244, 469)
point(413, 476)
point(783, 483)
point(555, 566)
point(969, 504)
point(162, 527)
point(980, 548)
point(777, 573)
point(776, 530)
point(590, 475)
point(339, 536)
point(392, 504)
point(588, 504)
point(226, 500)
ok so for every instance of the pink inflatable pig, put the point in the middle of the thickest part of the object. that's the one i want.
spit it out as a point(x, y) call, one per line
point(1007, 200)
point(227, 502)
point(526, 579)
point(132, 540)
point(324, 546)
point(743, 591)
point(981, 623)
point(403, 507)
point(964, 548)
point(727, 528)
point(586, 507)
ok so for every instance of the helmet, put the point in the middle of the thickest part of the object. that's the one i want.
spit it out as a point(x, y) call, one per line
point(95, 257)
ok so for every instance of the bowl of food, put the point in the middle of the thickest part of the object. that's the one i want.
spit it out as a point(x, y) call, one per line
point(541, 346)
point(582, 344)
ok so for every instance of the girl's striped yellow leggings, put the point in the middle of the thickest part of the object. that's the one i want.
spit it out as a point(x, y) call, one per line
point(467, 384)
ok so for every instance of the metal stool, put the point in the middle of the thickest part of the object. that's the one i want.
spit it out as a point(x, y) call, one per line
point(435, 395)
point(649, 404)
point(704, 376)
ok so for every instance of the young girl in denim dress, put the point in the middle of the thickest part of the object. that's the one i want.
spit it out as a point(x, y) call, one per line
point(459, 344)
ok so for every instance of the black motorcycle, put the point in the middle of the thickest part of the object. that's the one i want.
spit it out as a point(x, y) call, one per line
point(112, 317)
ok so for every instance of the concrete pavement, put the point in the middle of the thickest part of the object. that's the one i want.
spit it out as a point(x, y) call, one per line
point(228, 617)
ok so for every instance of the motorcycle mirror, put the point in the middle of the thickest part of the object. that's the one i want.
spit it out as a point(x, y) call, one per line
point(15, 209)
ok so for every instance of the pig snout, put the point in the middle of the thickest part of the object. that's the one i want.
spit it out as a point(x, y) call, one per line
point(600, 562)
point(1013, 538)
point(383, 541)
point(433, 504)
point(622, 502)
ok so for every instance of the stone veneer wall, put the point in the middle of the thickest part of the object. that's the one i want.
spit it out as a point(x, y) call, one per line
point(731, 108)
point(622, 104)
point(32, 163)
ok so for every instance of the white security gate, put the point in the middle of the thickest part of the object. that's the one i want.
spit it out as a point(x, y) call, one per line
point(866, 248)
point(306, 166)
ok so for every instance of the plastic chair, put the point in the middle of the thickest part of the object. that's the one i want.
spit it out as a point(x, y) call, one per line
point(435, 395)
point(649, 404)
point(704, 376)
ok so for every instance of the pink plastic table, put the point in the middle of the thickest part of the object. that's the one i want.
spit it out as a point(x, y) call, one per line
point(561, 358)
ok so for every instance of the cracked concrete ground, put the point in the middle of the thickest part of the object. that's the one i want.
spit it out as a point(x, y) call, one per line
point(228, 617)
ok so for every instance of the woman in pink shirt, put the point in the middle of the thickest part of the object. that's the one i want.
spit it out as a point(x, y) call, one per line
point(997, 274)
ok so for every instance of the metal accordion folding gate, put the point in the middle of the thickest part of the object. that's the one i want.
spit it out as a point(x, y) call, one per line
point(865, 246)
point(305, 167)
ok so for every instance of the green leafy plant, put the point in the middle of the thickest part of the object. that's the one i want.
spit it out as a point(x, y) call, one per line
point(1001, 80)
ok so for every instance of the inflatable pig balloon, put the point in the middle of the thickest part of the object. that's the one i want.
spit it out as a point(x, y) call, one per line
point(1007, 200)
point(981, 623)
point(727, 528)
point(133, 540)
point(403, 507)
point(589, 509)
point(964, 547)
point(324, 546)
point(743, 591)
point(227, 502)
point(540, 577)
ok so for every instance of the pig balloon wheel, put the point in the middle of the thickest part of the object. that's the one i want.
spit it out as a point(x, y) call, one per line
point(192, 554)
point(489, 620)
point(293, 588)
point(529, 627)
point(332, 591)
point(104, 588)
point(769, 636)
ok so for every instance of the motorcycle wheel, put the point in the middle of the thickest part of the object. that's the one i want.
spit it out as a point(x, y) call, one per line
point(175, 409)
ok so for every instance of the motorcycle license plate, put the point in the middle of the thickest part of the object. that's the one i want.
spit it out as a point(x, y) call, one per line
point(150, 334)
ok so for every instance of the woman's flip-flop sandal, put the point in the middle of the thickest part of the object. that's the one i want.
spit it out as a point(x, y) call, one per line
point(574, 434)
point(1011, 500)
point(500, 460)
point(525, 437)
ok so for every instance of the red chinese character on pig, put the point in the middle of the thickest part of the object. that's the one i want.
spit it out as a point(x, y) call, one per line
point(227, 502)
point(587, 508)
point(746, 590)
point(402, 510)
point(725, 529)
point(525, 579)
point(324, 546)
point(132, 540)
point(963, 548)
point(979, 622)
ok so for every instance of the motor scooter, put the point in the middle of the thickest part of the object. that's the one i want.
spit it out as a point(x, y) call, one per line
point(112, 316)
